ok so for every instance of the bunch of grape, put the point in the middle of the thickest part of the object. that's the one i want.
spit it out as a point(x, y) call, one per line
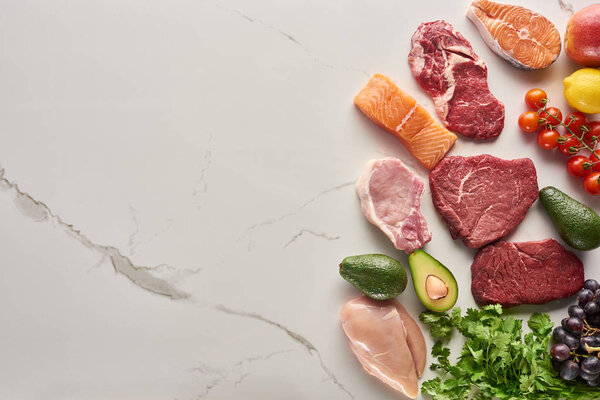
point(577, 349)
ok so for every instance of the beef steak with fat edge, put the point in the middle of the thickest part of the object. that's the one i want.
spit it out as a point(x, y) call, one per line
point(482, 198)
point(525, 273)
point(445, 65)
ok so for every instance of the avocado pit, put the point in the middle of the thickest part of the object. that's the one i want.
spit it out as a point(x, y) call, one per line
point(435, 287)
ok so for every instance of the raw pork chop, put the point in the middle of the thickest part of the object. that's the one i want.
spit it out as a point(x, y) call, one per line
point(390, 198)
point(445, 65)
point(483, 198)
point(379, 333)
point(525, 273)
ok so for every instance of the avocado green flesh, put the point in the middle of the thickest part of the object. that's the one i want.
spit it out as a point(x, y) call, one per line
point(376, 275)
point(422, 266)
point(577, 224)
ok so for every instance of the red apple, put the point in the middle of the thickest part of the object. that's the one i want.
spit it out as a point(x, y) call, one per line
point(582, 39)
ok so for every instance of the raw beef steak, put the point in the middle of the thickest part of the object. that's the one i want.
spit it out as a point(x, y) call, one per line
point(445, 65)
point(482, 198)
point(390, 198)
point(525, 273)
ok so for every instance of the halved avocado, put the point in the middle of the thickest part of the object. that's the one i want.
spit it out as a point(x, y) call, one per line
point(434, 284)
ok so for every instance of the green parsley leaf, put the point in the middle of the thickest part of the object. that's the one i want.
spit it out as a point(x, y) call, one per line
point(497, 361)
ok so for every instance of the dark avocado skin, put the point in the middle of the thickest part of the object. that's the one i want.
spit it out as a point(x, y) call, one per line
point(376, 275)
point(577, 224)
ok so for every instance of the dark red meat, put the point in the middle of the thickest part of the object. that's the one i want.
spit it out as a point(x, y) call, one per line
point(525, 273)
point(482, 198)
point(445, 65)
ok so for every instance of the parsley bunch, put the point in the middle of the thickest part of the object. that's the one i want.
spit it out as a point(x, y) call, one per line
point(496, 361)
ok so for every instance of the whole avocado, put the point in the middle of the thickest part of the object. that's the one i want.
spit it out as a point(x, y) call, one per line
point(577, 224)
point(378, 276)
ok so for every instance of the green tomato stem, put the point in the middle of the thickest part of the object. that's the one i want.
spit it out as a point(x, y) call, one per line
point(566, 126)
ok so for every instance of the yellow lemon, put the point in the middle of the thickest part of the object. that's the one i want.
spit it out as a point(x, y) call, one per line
point(582, 90)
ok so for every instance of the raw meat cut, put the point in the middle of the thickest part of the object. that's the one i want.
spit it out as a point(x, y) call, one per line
point(398, 113)
point(520, 36)
point(414, 338)
point(445, 65)
point(378, 337)
point(482, 198)
point(390, 198)
point(525, 273)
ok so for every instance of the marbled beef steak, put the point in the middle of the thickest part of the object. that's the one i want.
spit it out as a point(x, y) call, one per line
point(482, 198)
point(525, 273)
point(445, 65)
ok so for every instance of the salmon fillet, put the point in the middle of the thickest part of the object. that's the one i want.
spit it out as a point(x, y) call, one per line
point(522, 37)
point(398, 113)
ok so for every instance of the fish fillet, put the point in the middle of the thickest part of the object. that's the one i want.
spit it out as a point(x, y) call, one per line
point(398, 113)
point(522, 37)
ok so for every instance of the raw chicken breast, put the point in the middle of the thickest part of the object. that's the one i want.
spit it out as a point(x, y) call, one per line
point(390, 197)
point(414, 339)
point(378, 338)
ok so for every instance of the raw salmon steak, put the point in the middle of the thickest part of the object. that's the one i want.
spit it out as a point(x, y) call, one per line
point(390, 198)
point(398, 113)
point(445, 65)
point(387, 342)
point(522, 37)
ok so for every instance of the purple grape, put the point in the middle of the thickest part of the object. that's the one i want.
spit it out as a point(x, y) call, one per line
point(571, 341)
point(563, 323)
point(569, 370)
point(589, 340)
point(593, 320)
point(587, 377)
point(591, 365)
point(597, 294)
point(574, 325)
point(577, 311)
point(560, 352)
point(555, 364)
point(591, 284)
point(594, 382)
point(592, 308)
point(585, 296)
point(559, 334)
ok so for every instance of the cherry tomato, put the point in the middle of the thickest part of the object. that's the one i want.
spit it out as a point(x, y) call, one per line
point(534, 98)
point(552, 116)
point(528, 121)
point(594, 131)
point(575, 124)
point(569, 142)
point(592, 183)
point(575, 166)
point(594, 159)
point(548, 139)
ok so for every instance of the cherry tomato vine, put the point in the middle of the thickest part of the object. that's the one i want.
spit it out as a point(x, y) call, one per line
point(581, 135)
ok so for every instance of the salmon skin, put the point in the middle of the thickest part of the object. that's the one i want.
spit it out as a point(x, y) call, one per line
point(398, 113)
point(522, 37)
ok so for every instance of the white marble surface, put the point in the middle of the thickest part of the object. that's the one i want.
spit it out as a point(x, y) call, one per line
point(178, 191)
